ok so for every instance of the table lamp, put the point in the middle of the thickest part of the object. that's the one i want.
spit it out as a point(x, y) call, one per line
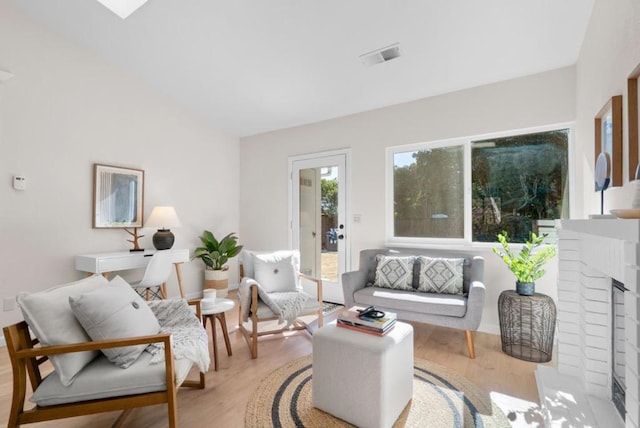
point(163, 218)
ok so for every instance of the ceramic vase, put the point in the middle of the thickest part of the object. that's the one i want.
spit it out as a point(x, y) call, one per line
point(525, 288)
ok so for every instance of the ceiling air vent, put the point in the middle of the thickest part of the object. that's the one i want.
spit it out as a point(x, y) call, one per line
point(381, 55)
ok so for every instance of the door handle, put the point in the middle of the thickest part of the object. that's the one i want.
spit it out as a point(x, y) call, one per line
point(313, 234)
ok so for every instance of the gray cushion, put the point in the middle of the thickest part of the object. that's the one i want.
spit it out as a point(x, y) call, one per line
point(276, 271)
point(426, 303)
point(115, 311)
point(440, 275)
point(101, 379)
point(51, 319)
point(394, 272)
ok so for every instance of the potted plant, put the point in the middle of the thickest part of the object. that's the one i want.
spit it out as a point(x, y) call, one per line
point(527, 264)
point(215, 254)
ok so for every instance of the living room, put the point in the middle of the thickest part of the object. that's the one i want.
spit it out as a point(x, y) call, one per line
point(66, 108)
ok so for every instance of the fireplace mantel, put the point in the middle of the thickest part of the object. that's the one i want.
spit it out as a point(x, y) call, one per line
point(591, 253)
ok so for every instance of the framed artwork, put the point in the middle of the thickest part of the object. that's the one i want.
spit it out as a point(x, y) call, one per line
point(632, 104)
point(118, 196)
point(608, 136)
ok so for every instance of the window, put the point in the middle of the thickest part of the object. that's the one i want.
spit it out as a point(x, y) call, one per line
point(518, 183)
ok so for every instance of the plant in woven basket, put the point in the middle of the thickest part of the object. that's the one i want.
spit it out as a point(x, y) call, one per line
point(215, 254)
point(526, 265)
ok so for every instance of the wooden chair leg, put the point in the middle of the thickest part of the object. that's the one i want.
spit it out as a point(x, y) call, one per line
point(254, 339)
point(472, 352)
point(122, 418)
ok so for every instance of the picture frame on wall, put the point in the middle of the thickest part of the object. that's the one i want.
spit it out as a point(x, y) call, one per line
point(118, 197)
point(632, 106)
point(608, 136)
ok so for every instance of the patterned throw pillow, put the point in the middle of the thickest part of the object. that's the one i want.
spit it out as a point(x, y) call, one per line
point(439, 275)
point(394, 272)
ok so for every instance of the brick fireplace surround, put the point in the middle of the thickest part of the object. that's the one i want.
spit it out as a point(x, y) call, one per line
point(578, 391)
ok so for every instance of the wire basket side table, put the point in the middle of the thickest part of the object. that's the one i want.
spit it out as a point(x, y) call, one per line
point(527, 325)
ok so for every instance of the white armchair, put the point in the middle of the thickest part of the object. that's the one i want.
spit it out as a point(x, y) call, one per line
point(271, 289)
point(97, 334)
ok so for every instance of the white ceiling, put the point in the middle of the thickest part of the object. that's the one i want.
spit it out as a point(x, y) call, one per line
point(252, 66)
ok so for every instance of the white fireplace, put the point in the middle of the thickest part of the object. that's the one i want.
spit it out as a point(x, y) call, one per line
point(591, 254)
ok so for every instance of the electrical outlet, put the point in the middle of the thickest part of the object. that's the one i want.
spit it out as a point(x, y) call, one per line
point(9, 304)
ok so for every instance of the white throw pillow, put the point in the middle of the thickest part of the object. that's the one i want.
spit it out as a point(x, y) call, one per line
point(441, 275)
point(115, 311)
point(50, 317)
point(277, 271)
point(394, 272)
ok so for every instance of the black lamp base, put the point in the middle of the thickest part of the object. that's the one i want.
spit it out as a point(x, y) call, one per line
point(163, 239)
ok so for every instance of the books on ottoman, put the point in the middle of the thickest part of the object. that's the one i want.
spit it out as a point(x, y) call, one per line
point(352, 319)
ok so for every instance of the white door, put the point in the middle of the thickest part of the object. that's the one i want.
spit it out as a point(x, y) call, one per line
point(318, 218)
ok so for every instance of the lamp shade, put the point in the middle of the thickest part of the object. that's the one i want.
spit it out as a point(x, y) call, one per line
point(123, 8)
point(163, 218)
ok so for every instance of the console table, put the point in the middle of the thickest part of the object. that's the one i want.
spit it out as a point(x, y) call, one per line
point(104, 263)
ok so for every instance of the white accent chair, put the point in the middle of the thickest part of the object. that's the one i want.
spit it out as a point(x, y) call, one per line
point(154, 281)
point(84, 380)
point(253, 309)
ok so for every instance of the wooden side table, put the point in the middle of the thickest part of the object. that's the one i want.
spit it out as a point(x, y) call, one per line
point(217, 312)
point(527, 325)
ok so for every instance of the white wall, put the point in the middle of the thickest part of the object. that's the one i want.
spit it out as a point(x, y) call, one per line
point(542, 99)
point(66, 109)
point(610, 52)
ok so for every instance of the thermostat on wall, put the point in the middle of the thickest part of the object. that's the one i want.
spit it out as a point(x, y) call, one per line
point(19, 182)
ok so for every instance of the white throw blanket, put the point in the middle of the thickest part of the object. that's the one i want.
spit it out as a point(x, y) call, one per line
point(287, 305)
point(189, 338)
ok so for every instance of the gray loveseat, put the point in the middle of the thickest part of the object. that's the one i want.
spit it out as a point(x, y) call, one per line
point(463, 312)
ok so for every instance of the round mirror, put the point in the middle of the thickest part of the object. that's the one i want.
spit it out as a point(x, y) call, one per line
point(603, 171)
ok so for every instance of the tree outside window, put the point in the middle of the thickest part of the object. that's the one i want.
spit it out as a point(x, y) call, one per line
point(519, 184)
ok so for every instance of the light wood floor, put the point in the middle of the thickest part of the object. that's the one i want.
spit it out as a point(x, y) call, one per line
point(222, 403)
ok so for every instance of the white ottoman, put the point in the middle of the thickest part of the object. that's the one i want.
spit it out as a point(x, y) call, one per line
point(364, 379)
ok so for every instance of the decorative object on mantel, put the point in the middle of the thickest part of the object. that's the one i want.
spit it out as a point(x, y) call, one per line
point(602, 176)
point(135, 236)
point(634, 211)
point(118, 196)
point(215, 254)
point(527, 264)
point(608, 137)
point(163, 218)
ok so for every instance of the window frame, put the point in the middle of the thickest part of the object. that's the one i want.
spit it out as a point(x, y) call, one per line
point(465, 142)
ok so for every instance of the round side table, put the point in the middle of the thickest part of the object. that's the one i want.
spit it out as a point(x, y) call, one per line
point(527, 325)
point(217, 312)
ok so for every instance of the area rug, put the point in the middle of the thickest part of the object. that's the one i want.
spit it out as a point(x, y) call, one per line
point(441, 398)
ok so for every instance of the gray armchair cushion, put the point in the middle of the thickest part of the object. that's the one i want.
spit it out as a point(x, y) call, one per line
point(102, 379)
point(115, 311)
point(50, 317)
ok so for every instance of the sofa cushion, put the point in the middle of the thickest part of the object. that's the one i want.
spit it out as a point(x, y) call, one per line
point(277, 271)
point(440, 275)
point(51, 319)
point(115, 311)
point(394, 272)
point(424, 303)
point(102, 379)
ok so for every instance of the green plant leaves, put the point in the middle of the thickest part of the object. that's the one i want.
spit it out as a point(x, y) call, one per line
point(216, 253)
point(527, 264)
